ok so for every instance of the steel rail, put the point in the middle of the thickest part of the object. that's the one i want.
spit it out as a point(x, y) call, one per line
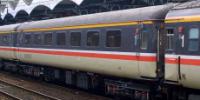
point(25, 89)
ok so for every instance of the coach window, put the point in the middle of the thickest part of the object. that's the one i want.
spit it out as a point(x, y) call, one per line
point(37, 39)
point(75, 39)
point(170, 39)
point(27, 38)
point(5, 39)
point(193, 44)
point(48, 39)
point(144, 40)
point(61, 39)
point(113, 38)
point(0, 40)
point(93, 38)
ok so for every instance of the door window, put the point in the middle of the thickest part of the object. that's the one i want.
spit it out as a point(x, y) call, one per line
point(193, 44)
point(170, 39)
point(144, 40)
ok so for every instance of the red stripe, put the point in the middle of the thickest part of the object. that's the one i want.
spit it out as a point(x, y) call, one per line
point(107, 56)
point(8, 49)
point(147, 58)
point(81, 54)
point(190, 62)
point(185, 61)
point(171, 60)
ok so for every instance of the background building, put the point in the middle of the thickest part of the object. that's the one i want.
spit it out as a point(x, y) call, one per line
point(15, 11)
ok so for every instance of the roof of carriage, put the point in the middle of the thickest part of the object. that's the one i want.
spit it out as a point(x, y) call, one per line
point(121, 16)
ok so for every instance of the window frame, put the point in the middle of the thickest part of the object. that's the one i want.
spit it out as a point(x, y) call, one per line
point(121, 39)
point(56, 39)
point(7, 43)
point(147, 42)
point(52, 39)
point(0, 40)
point(188, 39)
point(99, 36)
point(173, 37)
point(70, 38)
point(42, 38)
point(31, 39)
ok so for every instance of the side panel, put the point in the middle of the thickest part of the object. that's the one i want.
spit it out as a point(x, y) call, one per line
point(146, 51)
point(101, 64)
point(182, 64)
point(171, 68)
point(190, 71)
point(14, 45)
point(171, 58)
point(190, 59)
point(117, 61)
point(147, 65)
point(7, 41)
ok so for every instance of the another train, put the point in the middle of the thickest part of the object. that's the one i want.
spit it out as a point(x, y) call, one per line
point(149, 53)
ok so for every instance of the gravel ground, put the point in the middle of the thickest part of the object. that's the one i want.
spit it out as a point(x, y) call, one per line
point(3, 97)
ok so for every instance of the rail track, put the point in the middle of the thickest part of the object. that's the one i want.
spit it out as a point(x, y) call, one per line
point(17, 92)
point(14, 87)
point(6, 96)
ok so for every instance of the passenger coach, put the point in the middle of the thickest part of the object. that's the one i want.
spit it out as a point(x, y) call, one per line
point(142, 53)
point(106, 50)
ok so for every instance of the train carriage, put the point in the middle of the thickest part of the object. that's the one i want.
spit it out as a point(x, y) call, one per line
point(94, 52)
point(145, 53)
point(182, 52)
point(7, 39)
point(121, 44)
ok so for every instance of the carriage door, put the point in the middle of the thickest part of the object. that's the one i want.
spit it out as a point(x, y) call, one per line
point(146, 66)
point(14, 44)
point(189, 67)
point(137, 45)
point(172, 67)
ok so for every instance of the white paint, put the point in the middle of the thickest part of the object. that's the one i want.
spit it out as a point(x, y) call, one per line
point(172, 56)
point(89, 51)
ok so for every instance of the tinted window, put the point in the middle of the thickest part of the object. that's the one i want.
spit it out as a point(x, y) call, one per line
point(48, 39)
point(144, 40)
point(5, 39)
point(75, 39)
point(27, 38)
point(193, 39)
point(93, 38)
point(170, 39)
point(0, 40)
point(113, 38)
point(61, 39)
point(37, 39)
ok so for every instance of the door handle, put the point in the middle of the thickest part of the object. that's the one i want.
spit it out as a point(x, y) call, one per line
point(179, 67)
